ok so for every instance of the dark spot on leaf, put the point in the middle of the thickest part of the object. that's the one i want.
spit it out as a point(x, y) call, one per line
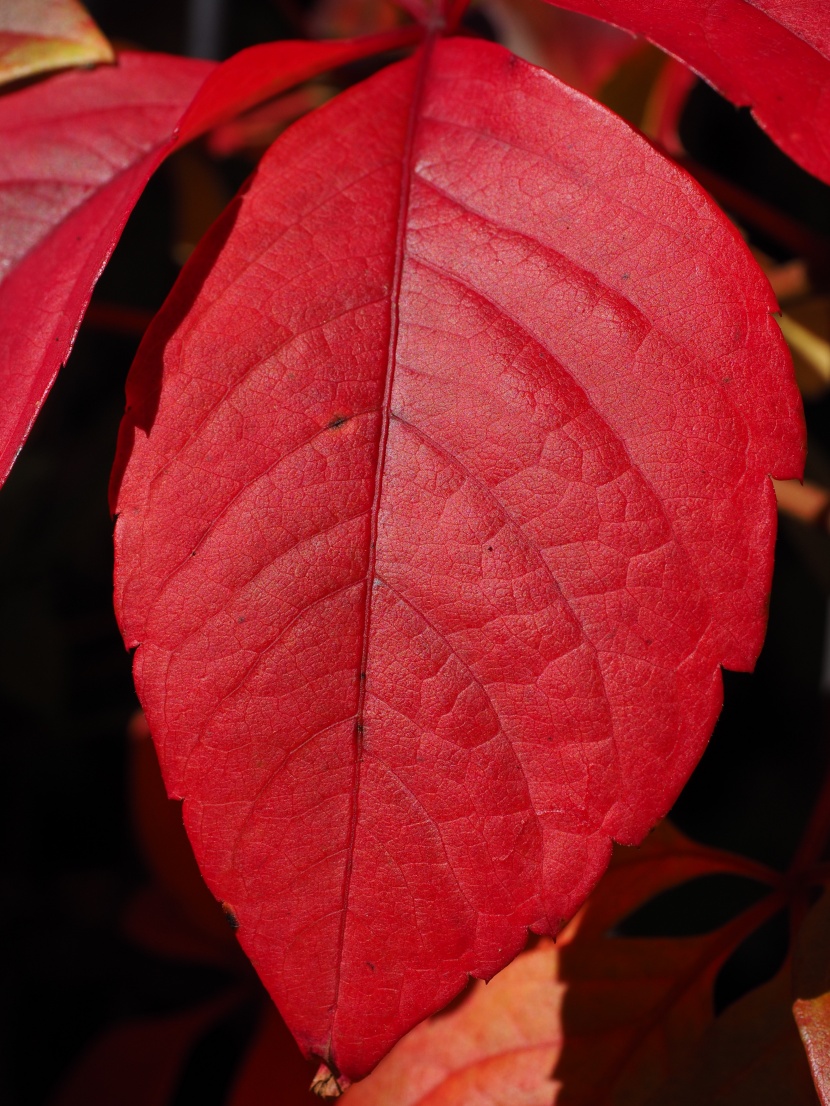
point(227, 910)
point(241, 618)
point(360, 727)
point(338, 420)
point(626, 276)
point(489, 549)
point(370, 965)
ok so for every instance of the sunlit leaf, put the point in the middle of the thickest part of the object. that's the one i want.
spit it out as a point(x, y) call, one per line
point(39, 35)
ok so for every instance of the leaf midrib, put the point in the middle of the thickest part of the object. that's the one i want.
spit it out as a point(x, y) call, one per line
point(407, 175)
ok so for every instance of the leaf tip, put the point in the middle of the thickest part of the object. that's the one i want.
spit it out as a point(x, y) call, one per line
point(326, 1084)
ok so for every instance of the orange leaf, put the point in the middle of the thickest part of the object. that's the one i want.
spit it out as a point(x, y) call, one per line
point(498, 1045)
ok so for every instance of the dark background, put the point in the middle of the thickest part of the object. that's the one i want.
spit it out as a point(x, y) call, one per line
point(70, 861)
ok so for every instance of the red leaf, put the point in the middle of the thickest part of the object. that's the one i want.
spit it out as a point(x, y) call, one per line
point(582, 52)
point(636, 1007)
point(77, 152)
point(446, 499)
point(770, 55)
point(253, 75)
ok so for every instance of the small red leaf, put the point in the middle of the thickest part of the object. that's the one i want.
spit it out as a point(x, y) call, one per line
point(446, 497)
point(262, 71)
point(770, 55)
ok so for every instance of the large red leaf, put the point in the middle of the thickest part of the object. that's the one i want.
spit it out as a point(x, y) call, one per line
point(770, 55)
point(445, 499)
point(75, 155)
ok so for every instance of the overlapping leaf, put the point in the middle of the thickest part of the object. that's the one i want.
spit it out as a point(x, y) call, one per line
point(582, 52)
point(636, 1008)
point(75, 154)
point(444, 499)
point(38, 35)
point(599, 1018)
point(770, 55)
point(499, 1047)
point(750, 1056)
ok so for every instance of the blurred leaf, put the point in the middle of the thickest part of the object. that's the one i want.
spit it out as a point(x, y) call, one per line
point(581, 51)
point(39, 35)
point(751, 1056)
point(138, 1063)
point(274, 1072)
point(636, 1007)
